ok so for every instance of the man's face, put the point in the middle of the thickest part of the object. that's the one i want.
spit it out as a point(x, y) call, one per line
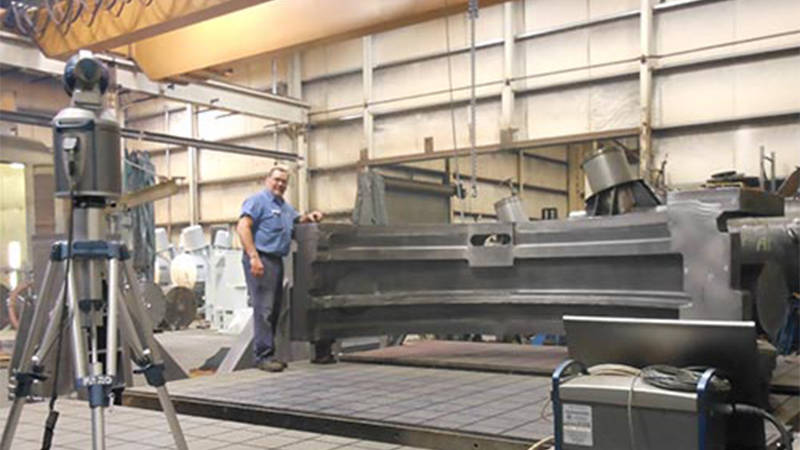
point(277, 183)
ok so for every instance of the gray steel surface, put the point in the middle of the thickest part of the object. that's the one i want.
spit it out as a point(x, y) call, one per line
point(741, 201)
point(437, 401)
point(511, 209)
point(500, 278)
point(769, 247)
point(608, 168)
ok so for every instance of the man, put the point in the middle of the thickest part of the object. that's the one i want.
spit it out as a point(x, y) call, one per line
point(265, 230)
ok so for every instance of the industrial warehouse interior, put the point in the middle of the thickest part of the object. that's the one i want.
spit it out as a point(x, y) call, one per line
point(400, 224)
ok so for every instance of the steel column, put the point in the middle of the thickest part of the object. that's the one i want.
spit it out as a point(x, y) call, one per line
point(366, 74)
point(299, 134)
point(507, 92)
point(646, 91)
point(194, 203)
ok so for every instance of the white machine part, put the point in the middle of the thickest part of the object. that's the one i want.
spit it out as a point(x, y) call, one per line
point(216, 274)
point(162, 240)
point(161, 275)
point(226, 291)
point(193, 239)
point(164, 254)
point(223, 239)
point(189, 270)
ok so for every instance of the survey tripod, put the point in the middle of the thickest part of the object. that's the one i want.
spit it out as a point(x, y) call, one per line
point(90, 297)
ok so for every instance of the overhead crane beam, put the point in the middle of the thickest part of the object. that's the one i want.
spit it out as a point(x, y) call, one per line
point(136, 21)
point(279, 25)
point(19, 53)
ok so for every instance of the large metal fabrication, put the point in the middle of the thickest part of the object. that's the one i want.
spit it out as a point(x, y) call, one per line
point(688, 259)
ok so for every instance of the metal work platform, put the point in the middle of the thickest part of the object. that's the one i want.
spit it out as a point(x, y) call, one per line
point(138, 429)
point(465, 355)
point(431, 394)
point(425, 407)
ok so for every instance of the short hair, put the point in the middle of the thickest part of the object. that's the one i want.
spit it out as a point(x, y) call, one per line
point(277, 168)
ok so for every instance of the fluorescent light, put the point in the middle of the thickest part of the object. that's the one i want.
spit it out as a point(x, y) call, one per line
point(16, 165)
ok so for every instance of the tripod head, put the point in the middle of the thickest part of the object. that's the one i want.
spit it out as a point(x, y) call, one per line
point(86, 136)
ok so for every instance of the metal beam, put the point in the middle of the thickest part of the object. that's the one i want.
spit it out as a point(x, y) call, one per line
point(163, 138)
point(213, 94)
point(128, 23)
point(299, 134)
point(647, 37)
point(482, 150)
point(264, 26)
point(194, 166)
point(366, 80)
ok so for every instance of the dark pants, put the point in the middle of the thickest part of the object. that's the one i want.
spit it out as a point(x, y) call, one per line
point(266, 294)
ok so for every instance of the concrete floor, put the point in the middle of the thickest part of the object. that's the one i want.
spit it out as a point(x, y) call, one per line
point(139, 429)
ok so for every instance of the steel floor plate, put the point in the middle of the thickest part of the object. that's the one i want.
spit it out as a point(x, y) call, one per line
point(483, 356)
point(427, 407)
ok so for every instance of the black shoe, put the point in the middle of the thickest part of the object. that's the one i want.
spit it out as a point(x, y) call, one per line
point(271, 366)
point(327, 359)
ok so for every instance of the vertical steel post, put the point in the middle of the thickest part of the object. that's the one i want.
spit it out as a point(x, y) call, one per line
point(366, 75)
point(646, 164)
point(194, 203)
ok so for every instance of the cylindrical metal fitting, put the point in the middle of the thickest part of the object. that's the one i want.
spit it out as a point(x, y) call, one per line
point(510, 209)
point(608, 168)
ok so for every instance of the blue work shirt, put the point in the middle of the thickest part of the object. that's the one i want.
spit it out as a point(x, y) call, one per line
point(273, 220)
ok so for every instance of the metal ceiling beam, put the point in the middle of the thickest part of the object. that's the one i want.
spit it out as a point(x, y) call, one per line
point(263, 29)
point(481, 150)
point(163, 138)
point(20, 53)
point(136, 21)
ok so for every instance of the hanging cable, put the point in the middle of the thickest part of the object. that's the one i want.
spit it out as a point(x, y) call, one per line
point(473, 17)
point(459, 193)
point(97, 5)
point(56, 17)
point(52, 416)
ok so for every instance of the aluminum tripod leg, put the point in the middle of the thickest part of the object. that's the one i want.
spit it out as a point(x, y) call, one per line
point(45, 303)
point(98, 405)
point(79, 354)
point(133, 317)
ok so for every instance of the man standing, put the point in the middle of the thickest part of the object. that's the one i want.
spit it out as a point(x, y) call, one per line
point(265, 230)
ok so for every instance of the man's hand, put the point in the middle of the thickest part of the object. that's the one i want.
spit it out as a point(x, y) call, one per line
point(314, 216)
point(256, 267)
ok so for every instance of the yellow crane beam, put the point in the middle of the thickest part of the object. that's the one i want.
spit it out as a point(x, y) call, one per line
point(136, 21)
point(278, 25)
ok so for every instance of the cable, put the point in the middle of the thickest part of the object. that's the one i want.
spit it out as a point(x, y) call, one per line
point(614, 369)
point(623, 371)
point(52, 416)
point(473, 16)
point(51, 11)
point(459, 193)
point(97, 5)
point(541, 443)
point(749, 410)
point(684, 380)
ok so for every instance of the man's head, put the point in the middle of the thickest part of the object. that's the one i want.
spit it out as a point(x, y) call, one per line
point(277, 180)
